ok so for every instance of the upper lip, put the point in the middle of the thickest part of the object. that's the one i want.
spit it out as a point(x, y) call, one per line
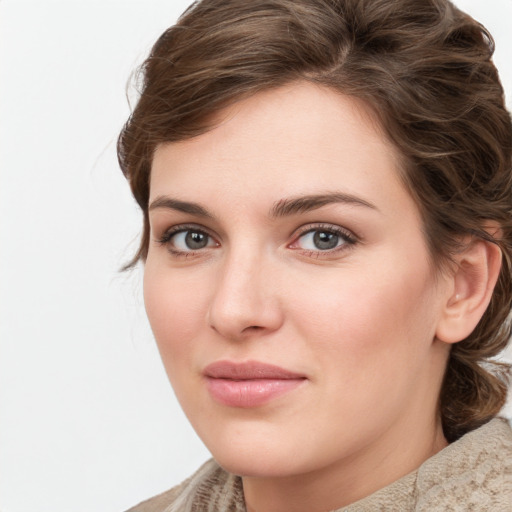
point(249, 370)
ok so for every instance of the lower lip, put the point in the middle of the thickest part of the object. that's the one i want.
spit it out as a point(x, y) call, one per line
point(250, 393)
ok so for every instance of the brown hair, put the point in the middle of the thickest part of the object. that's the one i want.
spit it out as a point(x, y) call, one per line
point(425, 69)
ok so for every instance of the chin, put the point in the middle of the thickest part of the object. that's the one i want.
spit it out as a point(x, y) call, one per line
point(262, 455)
point(245, 456)
point(257, 466)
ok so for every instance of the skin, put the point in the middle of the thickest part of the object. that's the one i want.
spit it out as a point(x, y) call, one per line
point(361, 321)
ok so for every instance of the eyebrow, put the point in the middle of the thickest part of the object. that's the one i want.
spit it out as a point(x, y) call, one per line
point(282, 208)
point(181, 206)
point(303, 204)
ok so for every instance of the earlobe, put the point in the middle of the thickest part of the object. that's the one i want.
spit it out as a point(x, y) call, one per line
point(472, 283)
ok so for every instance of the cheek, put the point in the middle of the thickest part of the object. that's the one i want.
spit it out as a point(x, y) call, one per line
point(175, 309)
point(369, 339)
point(375, 319)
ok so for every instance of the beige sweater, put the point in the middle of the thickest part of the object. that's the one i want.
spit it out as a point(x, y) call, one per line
point(472, 474)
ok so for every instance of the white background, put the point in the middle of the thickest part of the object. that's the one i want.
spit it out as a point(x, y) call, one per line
point(87, 419)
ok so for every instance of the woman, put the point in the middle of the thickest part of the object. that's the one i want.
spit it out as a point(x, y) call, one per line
point(326, 189)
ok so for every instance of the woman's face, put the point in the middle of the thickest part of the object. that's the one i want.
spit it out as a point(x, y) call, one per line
point(289, 288)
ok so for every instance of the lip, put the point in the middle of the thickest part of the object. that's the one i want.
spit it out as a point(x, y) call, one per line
point(249, 384)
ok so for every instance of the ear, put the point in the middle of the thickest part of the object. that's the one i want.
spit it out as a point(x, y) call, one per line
point(472, 283)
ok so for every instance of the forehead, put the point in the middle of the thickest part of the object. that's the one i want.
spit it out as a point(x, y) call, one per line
point(297, 139)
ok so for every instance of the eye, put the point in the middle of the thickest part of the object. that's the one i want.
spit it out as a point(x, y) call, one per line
point(320, 240)
point(190, 240)
point(323, 239)
point(184, 240)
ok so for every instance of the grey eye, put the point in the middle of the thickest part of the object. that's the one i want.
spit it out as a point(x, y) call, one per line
point(191, 240)
point(318, 240)
point(196, 240)
point(324, 240)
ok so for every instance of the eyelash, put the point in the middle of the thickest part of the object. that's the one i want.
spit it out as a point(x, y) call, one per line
point(166, 238)
point(347, 237)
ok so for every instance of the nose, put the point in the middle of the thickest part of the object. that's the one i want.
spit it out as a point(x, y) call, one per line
point(245, 302)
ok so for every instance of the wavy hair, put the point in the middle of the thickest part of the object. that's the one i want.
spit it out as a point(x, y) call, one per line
point(425, 69)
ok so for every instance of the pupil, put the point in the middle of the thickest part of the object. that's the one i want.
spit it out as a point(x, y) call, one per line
point(195, 240)
point(324, 240)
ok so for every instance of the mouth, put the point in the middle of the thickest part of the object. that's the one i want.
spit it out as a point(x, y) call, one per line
point(249, 384)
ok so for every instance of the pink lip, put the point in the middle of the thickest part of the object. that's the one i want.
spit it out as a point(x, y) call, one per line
point(249, 384)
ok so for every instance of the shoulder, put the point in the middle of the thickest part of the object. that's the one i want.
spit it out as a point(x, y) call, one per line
point(210, 486)
point(474, 473)
point(158, 503)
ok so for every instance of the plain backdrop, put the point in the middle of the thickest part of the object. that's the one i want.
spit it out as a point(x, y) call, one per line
point(88, 421)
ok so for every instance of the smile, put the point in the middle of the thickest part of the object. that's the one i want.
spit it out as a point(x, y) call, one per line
point(249, 384)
